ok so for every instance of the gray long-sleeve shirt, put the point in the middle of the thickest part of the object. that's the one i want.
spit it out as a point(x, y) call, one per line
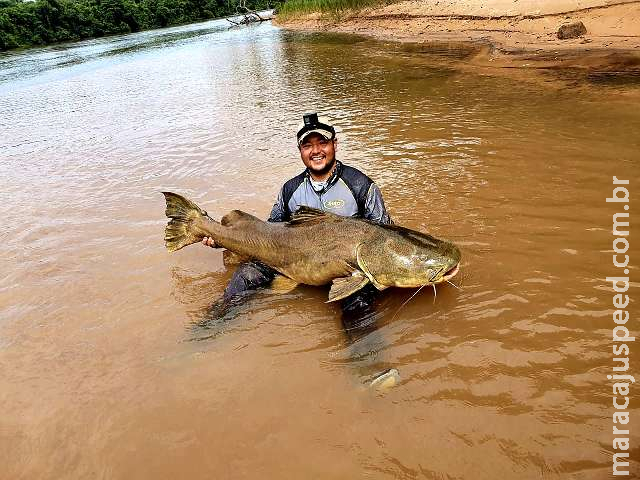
point(348, 192)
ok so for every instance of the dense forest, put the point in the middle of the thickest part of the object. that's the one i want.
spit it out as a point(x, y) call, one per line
point(25, 23)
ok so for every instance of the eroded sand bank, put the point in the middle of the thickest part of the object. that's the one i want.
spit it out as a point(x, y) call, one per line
point(508, 33)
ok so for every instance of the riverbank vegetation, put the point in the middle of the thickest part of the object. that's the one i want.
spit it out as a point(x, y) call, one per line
point(40, 22)
point(333, 8)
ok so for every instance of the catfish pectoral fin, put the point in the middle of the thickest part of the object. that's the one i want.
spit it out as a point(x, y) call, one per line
point(342, 287)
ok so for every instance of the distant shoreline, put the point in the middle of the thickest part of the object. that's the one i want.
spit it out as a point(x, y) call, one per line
point(506, 34)
point(18, 34)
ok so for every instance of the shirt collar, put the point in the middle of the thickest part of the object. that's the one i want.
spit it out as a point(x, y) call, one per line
point(333, 178)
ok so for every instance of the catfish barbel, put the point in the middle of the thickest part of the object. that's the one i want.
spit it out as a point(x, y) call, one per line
point(318, 248)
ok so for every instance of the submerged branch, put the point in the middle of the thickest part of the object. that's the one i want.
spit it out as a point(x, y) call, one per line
point(249, 16)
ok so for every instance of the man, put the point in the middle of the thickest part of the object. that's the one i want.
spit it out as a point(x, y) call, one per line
point(326, 184)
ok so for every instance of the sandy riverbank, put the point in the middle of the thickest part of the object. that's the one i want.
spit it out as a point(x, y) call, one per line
point(508, 33)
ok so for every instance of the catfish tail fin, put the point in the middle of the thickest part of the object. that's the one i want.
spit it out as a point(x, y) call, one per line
point(180, 230)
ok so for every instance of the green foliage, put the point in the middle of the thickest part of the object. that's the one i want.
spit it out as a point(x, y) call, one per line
point(40, 22)
point(333, 8)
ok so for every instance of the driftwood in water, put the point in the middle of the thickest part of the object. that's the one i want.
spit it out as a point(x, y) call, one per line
point(248, 16)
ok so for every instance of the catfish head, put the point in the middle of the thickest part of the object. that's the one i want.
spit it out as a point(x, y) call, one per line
point(406, 258)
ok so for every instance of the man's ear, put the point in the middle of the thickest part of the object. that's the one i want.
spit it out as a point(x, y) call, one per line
point(335, 144)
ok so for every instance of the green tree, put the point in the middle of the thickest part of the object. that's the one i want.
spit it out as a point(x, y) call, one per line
point(46, 21)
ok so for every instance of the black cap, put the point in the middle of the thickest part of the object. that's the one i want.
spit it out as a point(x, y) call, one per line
point(313, 124)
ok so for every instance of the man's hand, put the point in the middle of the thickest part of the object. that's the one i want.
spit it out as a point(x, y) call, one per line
point(208, 241)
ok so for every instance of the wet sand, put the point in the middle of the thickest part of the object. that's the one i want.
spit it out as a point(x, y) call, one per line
point(506, 34)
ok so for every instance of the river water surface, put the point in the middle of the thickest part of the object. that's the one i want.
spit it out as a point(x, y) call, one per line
point(102, 374)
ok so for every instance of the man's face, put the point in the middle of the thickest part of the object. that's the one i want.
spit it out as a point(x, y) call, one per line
point(318, 154)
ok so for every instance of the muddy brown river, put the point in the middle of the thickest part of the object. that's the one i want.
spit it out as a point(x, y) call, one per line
point(102, 372)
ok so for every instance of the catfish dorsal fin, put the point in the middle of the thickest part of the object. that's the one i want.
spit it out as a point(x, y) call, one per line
point(235, 216)
point(307, 214)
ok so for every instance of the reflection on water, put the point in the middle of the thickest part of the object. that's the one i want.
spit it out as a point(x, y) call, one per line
point(20, 65)
point(608, 79)
point(99, 378)
point(615, 78)
point(442, 51)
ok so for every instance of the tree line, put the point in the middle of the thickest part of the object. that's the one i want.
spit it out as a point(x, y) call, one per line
point(40, 22)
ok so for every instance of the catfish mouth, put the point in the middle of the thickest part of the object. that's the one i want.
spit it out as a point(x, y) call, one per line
point(452, 272)
point(439, 278)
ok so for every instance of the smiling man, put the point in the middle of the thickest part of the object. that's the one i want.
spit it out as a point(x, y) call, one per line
point(326, 184)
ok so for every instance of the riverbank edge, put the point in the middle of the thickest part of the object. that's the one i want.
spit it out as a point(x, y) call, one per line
point(25, 47)
point(518, 41)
